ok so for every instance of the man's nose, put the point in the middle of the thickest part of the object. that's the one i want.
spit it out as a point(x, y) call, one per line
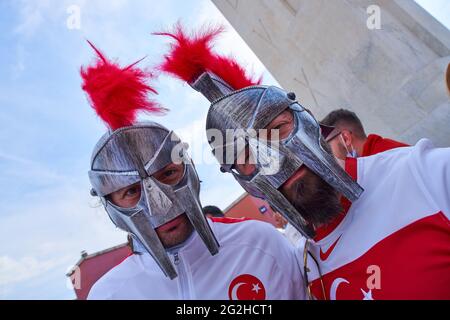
point(157, 200)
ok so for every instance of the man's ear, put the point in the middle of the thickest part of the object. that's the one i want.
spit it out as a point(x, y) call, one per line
point(348, 138)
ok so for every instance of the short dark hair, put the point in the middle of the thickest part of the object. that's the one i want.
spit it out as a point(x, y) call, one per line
point(213, 210)
point(345, 119)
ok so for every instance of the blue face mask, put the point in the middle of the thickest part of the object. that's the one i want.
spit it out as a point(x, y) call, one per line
point(350, 154)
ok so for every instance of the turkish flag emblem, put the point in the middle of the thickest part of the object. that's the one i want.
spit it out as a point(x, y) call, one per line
point(246, 287)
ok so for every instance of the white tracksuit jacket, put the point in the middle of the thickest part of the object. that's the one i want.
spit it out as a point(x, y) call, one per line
point(255, 261)
point(394, 241)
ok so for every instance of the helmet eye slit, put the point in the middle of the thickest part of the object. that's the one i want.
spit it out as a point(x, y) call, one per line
point(171, 175)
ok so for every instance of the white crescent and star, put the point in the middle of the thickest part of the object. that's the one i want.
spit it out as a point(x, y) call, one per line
point(335, 286)
point(256, 288)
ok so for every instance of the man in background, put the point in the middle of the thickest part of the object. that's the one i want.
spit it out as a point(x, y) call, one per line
point(349, 139)
point(213, 212)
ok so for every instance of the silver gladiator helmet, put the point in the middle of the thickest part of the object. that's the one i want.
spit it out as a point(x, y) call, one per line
point(253, 108)
point(132, 152)
point(132, 155)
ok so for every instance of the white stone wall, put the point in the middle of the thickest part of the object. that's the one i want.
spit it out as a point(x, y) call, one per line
point(394, 77)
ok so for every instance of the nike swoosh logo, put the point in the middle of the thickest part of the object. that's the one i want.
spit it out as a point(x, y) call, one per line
point(324, 255)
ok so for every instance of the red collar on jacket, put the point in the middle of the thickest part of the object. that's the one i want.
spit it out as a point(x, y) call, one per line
point(376, 144)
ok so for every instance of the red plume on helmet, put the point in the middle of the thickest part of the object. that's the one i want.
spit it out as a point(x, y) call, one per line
point(192, 55)
point(117, 94)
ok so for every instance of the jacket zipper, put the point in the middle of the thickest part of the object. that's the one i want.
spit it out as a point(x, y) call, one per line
point(182, 277)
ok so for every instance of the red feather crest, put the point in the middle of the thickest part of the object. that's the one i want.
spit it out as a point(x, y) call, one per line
point(192, 55)
point(117, 94)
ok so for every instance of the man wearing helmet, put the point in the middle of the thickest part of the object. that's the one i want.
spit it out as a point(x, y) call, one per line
point(375, 227)
point(150, 189)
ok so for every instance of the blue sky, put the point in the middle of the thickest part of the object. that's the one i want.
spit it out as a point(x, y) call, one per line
point(48, 130)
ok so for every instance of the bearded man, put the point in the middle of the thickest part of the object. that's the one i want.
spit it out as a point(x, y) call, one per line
point(375, 227)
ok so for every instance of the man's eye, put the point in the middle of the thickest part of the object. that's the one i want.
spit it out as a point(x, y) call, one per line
point(278, 126)
point(169, 173)
point(131, 192)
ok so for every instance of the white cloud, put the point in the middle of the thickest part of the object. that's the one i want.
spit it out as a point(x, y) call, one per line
point(21, 168)
point(20, 65)
point(31, 16)
point(18, 270)
point(46, 230)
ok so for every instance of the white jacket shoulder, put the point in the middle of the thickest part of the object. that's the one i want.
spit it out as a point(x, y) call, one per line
point(423, 165)
point(111, 282)
point(256, 235)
